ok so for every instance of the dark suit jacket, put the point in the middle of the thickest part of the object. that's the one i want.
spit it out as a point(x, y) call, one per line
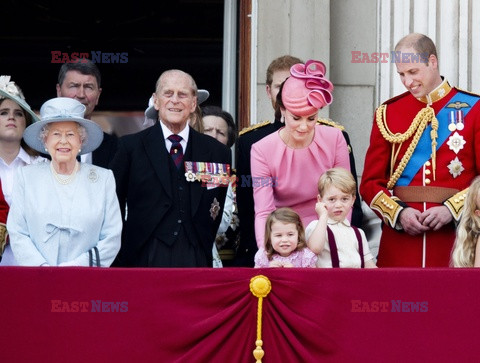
point(245, 203)
point(246, 211)
point(103, 155)
point(144, 183)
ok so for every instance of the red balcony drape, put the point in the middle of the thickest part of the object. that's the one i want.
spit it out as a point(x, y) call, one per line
point(209, 315)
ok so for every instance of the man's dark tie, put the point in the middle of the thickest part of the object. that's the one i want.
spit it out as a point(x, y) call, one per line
point(176, 150)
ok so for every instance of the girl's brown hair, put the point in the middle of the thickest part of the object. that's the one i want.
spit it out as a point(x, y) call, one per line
point(284, 215)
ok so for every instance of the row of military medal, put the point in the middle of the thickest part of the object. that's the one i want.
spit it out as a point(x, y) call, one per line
point(456, 121)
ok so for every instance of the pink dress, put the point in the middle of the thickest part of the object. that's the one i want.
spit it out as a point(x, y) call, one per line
point(302, 258)
point(286, 177)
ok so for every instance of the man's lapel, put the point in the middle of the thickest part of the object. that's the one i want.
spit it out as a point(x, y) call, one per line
point(155, 149)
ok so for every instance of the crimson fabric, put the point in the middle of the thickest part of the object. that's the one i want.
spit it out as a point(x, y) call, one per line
point(176, 150)
point(209, 315)
point(4, 207)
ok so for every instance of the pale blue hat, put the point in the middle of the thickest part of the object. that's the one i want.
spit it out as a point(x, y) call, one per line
point(62, 109)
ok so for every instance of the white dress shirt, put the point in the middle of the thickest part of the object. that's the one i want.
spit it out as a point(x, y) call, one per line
point(347, 245)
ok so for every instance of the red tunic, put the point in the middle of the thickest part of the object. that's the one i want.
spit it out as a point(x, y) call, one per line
point(430, 249)
point(4, 208)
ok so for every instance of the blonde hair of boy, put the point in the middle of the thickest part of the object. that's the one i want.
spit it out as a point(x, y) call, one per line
point(340, 178)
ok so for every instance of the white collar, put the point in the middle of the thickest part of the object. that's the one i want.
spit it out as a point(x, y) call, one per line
point(345, 222)
point(23, 155)
point(184, 133)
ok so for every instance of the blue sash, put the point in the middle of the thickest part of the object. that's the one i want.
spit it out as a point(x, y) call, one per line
point(423, 151)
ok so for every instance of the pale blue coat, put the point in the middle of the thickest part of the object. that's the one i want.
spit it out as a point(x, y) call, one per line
point(43, 233)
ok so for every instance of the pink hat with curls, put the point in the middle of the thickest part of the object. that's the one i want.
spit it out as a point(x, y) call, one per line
point(307, 90)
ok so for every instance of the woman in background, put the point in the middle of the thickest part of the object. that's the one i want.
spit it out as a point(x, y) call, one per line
point(15, 116)
point(220, 125)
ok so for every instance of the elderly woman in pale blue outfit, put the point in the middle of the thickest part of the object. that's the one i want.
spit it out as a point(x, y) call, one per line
point(64, 210)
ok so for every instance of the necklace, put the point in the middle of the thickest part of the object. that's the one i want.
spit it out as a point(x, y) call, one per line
point(61, 178)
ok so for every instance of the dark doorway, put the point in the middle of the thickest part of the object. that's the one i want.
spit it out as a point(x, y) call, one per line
point(149, 37)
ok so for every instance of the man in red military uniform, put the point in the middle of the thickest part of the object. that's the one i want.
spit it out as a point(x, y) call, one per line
point(421, 159)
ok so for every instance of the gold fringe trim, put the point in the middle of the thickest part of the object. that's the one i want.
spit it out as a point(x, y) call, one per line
point(328, 122)
point(387, 206)
point(253, 127)
point(456, 203)
point(3, 238)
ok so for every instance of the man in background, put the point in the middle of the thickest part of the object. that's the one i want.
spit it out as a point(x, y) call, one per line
point(82, 81)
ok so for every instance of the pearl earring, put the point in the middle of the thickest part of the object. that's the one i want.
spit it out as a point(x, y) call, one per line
point(79, 150)
point(282, 119)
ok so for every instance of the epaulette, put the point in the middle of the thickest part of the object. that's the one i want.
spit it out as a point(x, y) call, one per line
point(328, 122)
point(467, 92)
point(253, 127)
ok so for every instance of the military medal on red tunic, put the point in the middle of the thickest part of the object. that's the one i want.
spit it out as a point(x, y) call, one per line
point(456, 121)
point(456, 142)
point(455, 167)
point(460, 124)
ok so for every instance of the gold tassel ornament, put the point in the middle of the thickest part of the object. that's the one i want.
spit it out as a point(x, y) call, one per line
point(260, 286)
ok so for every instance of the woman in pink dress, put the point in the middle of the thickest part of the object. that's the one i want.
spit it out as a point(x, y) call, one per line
point(286, 165)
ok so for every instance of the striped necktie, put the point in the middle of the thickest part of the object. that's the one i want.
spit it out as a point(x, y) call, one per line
point(176, 151)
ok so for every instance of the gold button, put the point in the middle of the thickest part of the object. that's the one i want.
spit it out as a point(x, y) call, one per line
point(427, 163)
point(428, 172)
point(427, 181)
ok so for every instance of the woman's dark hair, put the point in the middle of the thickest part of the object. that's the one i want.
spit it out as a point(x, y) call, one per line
point(232, 127)
point(279, 102)
point(28, 122)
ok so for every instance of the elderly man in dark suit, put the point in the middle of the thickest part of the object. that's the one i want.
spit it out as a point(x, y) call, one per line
point(171, 183)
